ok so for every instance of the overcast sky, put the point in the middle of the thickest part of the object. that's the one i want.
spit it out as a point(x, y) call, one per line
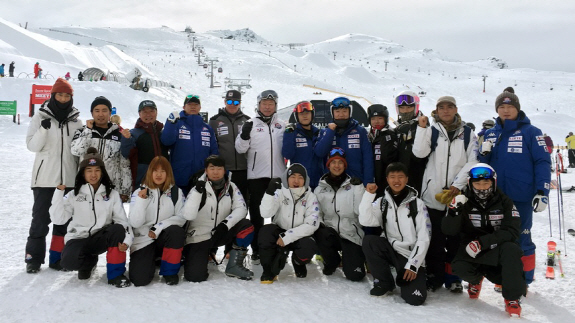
point(524, 33)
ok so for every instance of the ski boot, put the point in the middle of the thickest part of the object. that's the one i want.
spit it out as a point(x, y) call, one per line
point(268, 278)
point(120, 281)
point(32, 268)
point(513, 308)
point(474, 289)
point(456, 287)
point(379, 290)
point(498, 288)
point(172, 280)
point(235, 266)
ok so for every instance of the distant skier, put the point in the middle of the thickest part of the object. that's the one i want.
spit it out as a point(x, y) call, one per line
point(11, 69)
point(80, 76)
point(36, 70)
point(67, 76)
point(570, 140)
point(2, 70)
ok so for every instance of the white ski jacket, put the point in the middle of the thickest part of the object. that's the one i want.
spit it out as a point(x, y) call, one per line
point(216, 209)
point(108, 146)
point(448, 165)
point(264, 148)
point(54, 163)
point(90, 212)
point(299, 218)
point(340, 209)
point(156, 211)
point(408, 240)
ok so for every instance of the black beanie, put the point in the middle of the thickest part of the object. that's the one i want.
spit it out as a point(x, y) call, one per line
point(101, 100)
point(297, 169)
point(92, 158)
point(507, 97)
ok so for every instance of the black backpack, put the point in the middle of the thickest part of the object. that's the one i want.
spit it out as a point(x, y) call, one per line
point(384, 206)
point(466, 137)
point(192, 182)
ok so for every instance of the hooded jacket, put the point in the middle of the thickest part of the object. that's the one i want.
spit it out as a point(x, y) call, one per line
point(54, 163)
point(406, 239)
point(519, 156)
point(299, 218)
point(227, 127)
point(215, 210)
point(264, 148)
point(108, 146)
point(339, 209)
point(191, 141)
point(357, 148)
point(158, 211)
point(298, 147)
point(89, 211)
point(448, 164)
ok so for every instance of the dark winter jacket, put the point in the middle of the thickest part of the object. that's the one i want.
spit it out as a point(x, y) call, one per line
point(405, 132)
point(11, 68)
point(298, 147)
point(227, 127)
point(142, 147)
point(519, 156)
point(384, 145)
point(492, 225)
point(191, 141)
point(357, 148)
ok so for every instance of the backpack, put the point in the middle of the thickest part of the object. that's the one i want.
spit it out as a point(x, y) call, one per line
point(412, 210)
point(435, 136)
point(175, 194)
point(192, 182)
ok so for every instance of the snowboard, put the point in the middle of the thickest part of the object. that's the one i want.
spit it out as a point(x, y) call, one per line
point(571, 232)
point(551, 247)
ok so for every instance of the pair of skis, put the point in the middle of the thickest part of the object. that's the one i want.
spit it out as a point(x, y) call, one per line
point(553, 253)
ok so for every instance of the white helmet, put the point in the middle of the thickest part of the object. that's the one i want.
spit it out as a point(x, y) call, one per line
point(407, 98)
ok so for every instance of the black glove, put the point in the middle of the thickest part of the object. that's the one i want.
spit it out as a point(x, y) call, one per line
point(290, 128)
point(219, 233)
point(46, 124)
point(247, 129)
point(275, 184)
point(201, 187)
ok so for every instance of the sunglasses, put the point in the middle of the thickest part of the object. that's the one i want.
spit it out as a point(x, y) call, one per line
point(481, 173)
point(340, 102)
point(336, 151)
point(404, 100)
point(234, 102)
point(303, 106)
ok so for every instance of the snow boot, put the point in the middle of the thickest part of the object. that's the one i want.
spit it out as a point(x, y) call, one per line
point(456, 287)
point(513, 308)
point(299, 268)
point(235, 266)
point(57, 266)
point(498, 288)
point(474, 289)
point(379, 290)
point(32, 268)
point(268, 278)
point(120, 281)
point(279, 261)
point(172, 280)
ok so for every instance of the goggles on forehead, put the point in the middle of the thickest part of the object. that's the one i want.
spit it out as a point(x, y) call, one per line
point(190, 97)
point(336, 151)
point(404, 99)
point(340, 102)
point(481, 173)
point(303, 106)
point(234, 102)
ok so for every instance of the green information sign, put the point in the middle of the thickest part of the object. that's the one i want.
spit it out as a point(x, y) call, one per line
point(7, 107)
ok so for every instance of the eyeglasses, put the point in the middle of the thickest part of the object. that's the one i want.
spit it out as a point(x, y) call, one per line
point(340, 102)
point(404, 99)
point(234, 102)
point(303, 106)
point(336, 151)
point(481, 173)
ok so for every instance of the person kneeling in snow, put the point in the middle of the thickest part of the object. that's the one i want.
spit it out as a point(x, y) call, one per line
point(217, 213)
point(405, 238)
point(294, 211)
point(489, 225)
point(156, 217)
point(98, 222)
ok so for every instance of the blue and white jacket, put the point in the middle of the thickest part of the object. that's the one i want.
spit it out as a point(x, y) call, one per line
point(298, 147)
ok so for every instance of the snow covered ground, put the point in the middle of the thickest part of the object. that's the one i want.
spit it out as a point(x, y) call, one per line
point(359, 70)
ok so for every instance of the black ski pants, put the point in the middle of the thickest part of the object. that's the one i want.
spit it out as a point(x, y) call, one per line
point(240, 178)
point(330, 243)
point(257, 188)
point(571, 153)
point(442, 249)
point(303, 249)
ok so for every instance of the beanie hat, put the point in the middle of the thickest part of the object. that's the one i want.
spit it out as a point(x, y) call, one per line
point(507, 97)
point(145, 104)
point(233, 95)
point(62, 86)
point(101, 100)
point(297, 169)
point(336, 153)
point(92, 158)
point(446, 99)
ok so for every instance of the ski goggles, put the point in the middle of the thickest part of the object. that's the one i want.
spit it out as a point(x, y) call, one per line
point(337, 152)
point(268, 94)
point(340, 102)
point(481, 173)
point(191, 97)
point(303, 106)
point(234, 102)
point(405, 99)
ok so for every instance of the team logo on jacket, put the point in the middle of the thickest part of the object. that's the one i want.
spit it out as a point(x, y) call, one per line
point(105, 197)
point(353, 136)
point(115, 138)
point(278, 126)
point(517, 132)
point(205, 129)
point(221, 124)
point(348, 187)
point(259, 129)
point(303, 202)
point(515, 214)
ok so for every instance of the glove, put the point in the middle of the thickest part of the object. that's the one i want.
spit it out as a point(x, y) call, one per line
point(46, 124)
point(444, 197)
point(473, 248)
point(275, 184)
point(290, 128)
point(247, 129)
point(540, 202)
point(201, 187)
point(174, 116)
point(486, 147)
point(458, 202)
point(219, 233)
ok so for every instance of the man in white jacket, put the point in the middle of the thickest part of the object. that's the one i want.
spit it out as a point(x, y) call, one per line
point(452, 150)
point(262, 138)
point(294, 210)
point(405, 238)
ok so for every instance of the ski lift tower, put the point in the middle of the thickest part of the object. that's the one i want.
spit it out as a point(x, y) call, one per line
point(211, 61)
point(199, 54)
point(238, 84)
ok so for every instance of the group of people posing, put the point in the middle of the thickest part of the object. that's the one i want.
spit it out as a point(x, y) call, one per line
point(423, 197)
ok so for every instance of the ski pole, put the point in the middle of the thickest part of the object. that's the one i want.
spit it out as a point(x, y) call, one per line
point(560, 265)
point(550, 231)
point(559, 195)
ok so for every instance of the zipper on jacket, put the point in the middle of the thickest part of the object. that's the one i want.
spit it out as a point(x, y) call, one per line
point(93, 210)
point(158, 210)
point(38, 173)
point(272, 151)
point(397, 221)
point(448, 158)
point(234, 136)
point(254, 165)
point(426, 187)
point(62, 156)
point(335, 210)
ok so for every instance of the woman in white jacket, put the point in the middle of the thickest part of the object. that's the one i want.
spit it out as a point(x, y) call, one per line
point(294, 210)
point(339, 196)
point(404, 241)
point(98, 222)
point(216, 212)
point(156, 217)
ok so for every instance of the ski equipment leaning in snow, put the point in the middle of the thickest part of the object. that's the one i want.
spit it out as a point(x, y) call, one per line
point(551, 249)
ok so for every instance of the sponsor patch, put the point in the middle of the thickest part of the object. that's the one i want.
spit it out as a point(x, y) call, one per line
point(221, 124)
point(114, 137)
point(546, 149)
point(353, 141)
point(515, 144)
point(222, 132)
point(205, 129)
point(278, 126)
point(475, 216)
point(206, 143)
point(351, 146)
point(184, 131)
point(378, 146)
point(546, 186)
point(187, 137)
point(516, 138)
point(259, 129)
point(353, 136)
point(541, 143)
point(476, 223)
point(300, 140)
point(515, 214)
point(377, 157)
point(205, 133)
point(301, 144)
point(515, 150)
point(495, 216)
point(377, 151)
point(205, 138)
point(303, 203)
point(540, 138)
point(388, 138)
